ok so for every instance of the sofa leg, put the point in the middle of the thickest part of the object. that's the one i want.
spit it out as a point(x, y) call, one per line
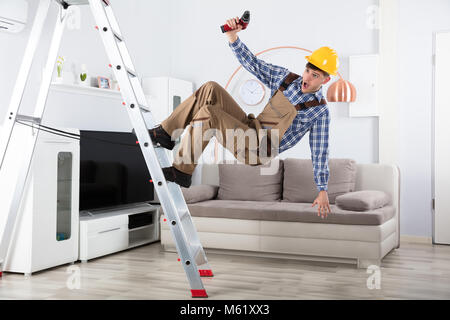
point(365, 263)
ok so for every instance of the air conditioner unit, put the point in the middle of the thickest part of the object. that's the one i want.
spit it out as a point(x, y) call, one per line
point(13, 15)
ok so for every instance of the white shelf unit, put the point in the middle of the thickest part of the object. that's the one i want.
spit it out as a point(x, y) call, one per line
point(46, 231)
point(115, 229)
point(86, 90)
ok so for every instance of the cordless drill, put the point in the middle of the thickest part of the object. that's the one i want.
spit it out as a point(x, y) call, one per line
point(243, 21)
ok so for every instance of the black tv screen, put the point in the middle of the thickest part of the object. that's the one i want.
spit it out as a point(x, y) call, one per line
point(112, 170)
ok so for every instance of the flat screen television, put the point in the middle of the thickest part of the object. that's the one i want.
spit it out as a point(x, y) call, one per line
point(112, 171)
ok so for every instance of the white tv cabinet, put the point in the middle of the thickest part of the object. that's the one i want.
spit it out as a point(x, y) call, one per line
point(119, 228)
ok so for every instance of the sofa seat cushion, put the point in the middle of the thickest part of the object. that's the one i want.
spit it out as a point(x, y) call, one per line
point(299, 184)
point(285, 211)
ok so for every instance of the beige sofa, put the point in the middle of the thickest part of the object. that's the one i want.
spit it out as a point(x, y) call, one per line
point(238, 210)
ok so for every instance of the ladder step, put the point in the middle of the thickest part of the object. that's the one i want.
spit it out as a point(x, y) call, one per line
point(144, 108)
point(21, 117)
point(182, 213)
point(131, 72)
point(117, 35)
point(76, 2)
point(198, 255)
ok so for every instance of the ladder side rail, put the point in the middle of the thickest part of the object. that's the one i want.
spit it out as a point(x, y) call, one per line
point(126, 57)
point(115, 28)
point(180, 203)
point(51, 60)
point(26, 159)
point(23, 75)
point(145, 143)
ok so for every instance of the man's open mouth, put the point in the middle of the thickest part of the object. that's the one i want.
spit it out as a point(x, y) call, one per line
point(305, 85)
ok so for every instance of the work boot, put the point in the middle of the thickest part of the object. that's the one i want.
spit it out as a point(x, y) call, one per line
point(175, 175)
point(160, 137)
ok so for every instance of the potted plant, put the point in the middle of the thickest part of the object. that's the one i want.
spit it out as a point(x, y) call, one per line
point(59, 69)
point(83, 75)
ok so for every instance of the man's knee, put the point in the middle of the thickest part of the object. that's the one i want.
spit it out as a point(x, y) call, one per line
point(212, 84)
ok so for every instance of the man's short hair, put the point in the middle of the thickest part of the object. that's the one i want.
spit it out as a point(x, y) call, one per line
point(311, 66)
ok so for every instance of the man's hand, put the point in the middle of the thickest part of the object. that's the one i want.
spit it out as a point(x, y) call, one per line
point(232, 34)
point(324, 204)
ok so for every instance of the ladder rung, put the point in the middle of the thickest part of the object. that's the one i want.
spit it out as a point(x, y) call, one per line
point(74, 2)
point(198, 254)
point(117, 35)
point(182, 213)
point(131, 72)
point(144, 108)
point(22, 117)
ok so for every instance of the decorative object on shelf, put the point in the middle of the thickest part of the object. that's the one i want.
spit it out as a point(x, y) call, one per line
point(104, 83)
point(340, 91)
point(83, 76)
point(114, 83)
point(252, 92)
point(59, 69)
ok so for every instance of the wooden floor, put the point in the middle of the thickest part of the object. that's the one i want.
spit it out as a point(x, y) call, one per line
point(414, 271)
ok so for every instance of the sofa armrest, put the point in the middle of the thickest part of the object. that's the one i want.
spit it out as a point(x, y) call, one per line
point(383, 177)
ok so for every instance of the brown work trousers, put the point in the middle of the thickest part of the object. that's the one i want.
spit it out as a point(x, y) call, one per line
point(211, 111)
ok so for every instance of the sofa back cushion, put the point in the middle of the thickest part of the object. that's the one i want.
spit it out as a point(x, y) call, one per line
point(245, 182)
point(299, 185)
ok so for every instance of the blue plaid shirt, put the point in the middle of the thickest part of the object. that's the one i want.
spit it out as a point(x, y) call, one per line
point(314, 119)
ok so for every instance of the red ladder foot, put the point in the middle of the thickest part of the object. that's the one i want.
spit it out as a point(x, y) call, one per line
point(206, 273)
point(199, 294)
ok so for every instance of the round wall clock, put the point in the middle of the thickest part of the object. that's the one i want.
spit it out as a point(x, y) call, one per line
point(252, 92)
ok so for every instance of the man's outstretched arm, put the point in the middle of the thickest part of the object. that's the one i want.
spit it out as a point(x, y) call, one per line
point(318, 141)
point(269, 74)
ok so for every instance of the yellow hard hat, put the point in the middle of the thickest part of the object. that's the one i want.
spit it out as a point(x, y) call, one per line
point(325, 59)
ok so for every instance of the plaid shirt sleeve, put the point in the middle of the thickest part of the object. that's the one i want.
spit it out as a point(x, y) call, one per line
point(318, 141)
point(269, 74)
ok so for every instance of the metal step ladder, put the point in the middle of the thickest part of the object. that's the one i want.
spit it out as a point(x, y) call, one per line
point(189, 248)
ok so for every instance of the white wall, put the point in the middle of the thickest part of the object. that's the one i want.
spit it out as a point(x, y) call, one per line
point(417, 22)
point(182, 39)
